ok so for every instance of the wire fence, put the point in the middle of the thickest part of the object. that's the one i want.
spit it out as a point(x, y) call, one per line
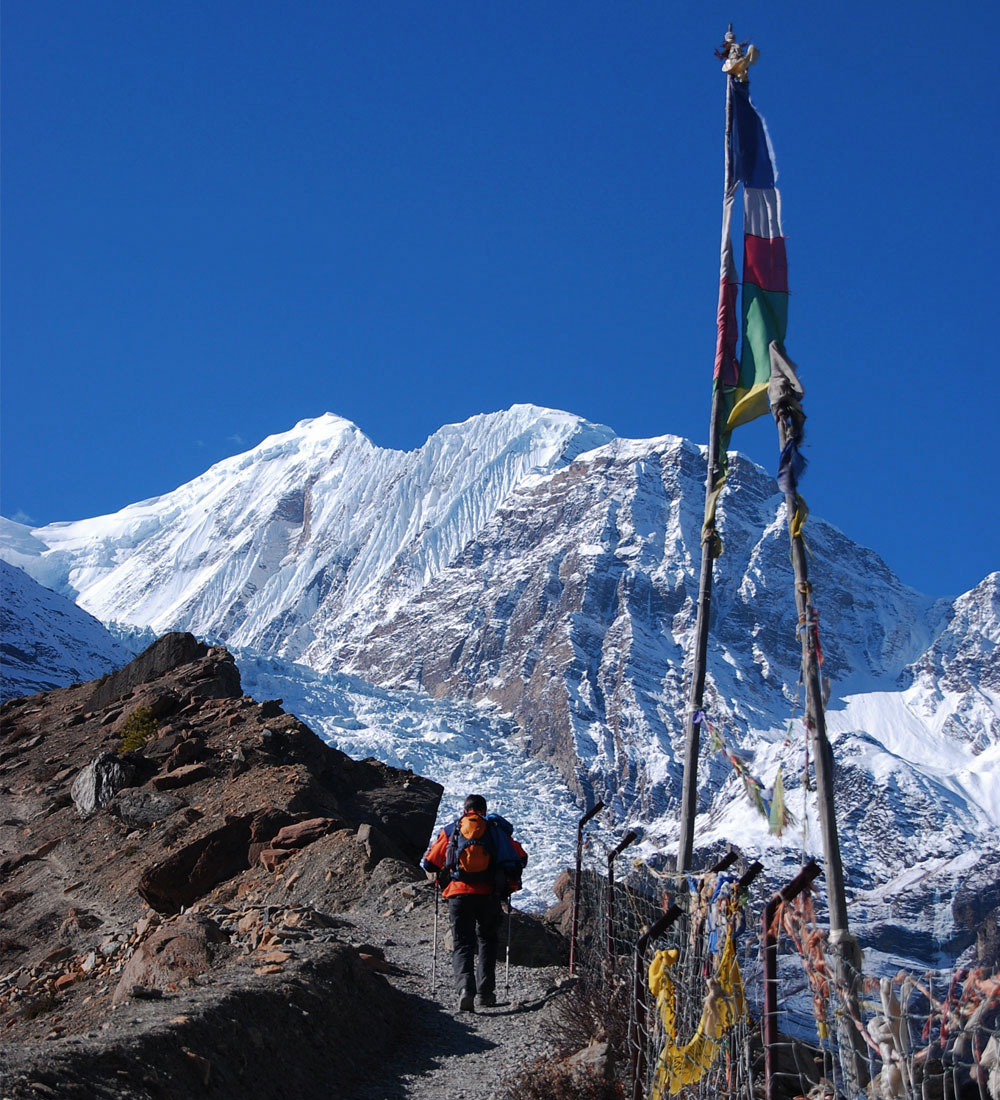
point(673, 969)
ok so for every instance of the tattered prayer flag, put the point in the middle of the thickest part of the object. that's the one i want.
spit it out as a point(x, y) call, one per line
point(780, 818)
point(765, 267)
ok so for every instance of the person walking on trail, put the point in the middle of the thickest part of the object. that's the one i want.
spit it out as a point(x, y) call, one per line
point(478, 863)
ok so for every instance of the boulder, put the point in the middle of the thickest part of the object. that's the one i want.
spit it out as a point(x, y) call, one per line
point(191, 750)
point(179, 948)
point(182, 777)
point(186, 875)
point(301, 833)
point(403, 806)
point(561, 914)
point(100, 781)
point(594, 1060)
point(139, 808)
point(263, 828)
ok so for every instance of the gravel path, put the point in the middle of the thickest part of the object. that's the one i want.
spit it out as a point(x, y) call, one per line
point(451, 1054)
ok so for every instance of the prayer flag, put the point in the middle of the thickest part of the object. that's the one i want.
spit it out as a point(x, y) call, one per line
point(743, 379)
point(765, 268)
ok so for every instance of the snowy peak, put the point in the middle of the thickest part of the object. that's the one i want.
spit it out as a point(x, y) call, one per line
point(531, 566)
point(308, 522)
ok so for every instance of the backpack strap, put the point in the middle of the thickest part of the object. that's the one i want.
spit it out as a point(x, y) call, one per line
point(451, 852)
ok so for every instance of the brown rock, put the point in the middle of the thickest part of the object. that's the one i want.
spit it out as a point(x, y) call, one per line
point(198, 867)
point(304, 832)
point(182, 777)
point(251, 919)
point(189, 751)
point(182, 947)
point(373, 962)
point(273, 955)
point(272, 857)
point(594, 1060)
point(169, 737)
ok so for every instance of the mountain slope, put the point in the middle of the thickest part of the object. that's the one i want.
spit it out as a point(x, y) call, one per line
point(46, 641)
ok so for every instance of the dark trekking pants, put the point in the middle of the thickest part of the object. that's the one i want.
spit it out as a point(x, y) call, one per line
point(475, 926)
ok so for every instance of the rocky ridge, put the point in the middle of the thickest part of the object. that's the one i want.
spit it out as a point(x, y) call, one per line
point(170, 915)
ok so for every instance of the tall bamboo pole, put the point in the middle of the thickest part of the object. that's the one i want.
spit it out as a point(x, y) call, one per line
point(689, 797)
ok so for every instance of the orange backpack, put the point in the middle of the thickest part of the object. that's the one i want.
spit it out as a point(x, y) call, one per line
point(471, 849)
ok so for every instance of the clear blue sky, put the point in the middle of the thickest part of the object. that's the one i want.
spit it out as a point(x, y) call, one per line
point(220, 218)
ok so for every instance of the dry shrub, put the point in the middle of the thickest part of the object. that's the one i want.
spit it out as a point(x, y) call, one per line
point(596, 1009)
point(549, 1080)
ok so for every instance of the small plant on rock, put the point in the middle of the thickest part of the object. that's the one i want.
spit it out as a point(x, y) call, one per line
point(137, 730)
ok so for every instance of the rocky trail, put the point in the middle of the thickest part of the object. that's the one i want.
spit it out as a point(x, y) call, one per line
point(444, 1053)
point(226, 907)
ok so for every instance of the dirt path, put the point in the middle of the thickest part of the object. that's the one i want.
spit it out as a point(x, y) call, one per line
point(448, 1054)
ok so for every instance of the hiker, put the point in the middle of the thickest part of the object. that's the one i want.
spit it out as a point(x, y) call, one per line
point(478, 863)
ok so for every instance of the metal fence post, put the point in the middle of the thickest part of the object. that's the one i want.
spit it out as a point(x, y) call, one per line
point(639, 995)
point(628, 839)
point(770, 941)
point(577, 883)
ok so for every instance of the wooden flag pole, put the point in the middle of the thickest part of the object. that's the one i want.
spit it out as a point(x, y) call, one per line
point(844, 947)
point(689, 797)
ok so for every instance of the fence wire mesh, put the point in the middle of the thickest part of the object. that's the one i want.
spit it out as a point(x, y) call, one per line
point(685, 1011)
point(683, 998)
point(919, 1036)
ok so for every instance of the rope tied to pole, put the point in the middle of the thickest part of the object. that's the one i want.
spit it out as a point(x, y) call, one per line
point(710, 537)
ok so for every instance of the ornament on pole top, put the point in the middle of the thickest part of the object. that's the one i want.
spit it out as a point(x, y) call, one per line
point(736, 57)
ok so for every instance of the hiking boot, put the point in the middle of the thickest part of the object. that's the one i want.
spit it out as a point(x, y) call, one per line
point(466, 1002)
point(487, 1000)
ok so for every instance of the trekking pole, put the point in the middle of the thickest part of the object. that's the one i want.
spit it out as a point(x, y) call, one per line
point(506, 972)
point(434, 963)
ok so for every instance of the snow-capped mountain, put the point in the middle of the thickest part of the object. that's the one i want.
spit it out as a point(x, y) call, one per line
point(47, 641)
point(543, 570)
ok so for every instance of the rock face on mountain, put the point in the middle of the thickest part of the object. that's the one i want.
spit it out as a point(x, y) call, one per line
point(171, 913)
